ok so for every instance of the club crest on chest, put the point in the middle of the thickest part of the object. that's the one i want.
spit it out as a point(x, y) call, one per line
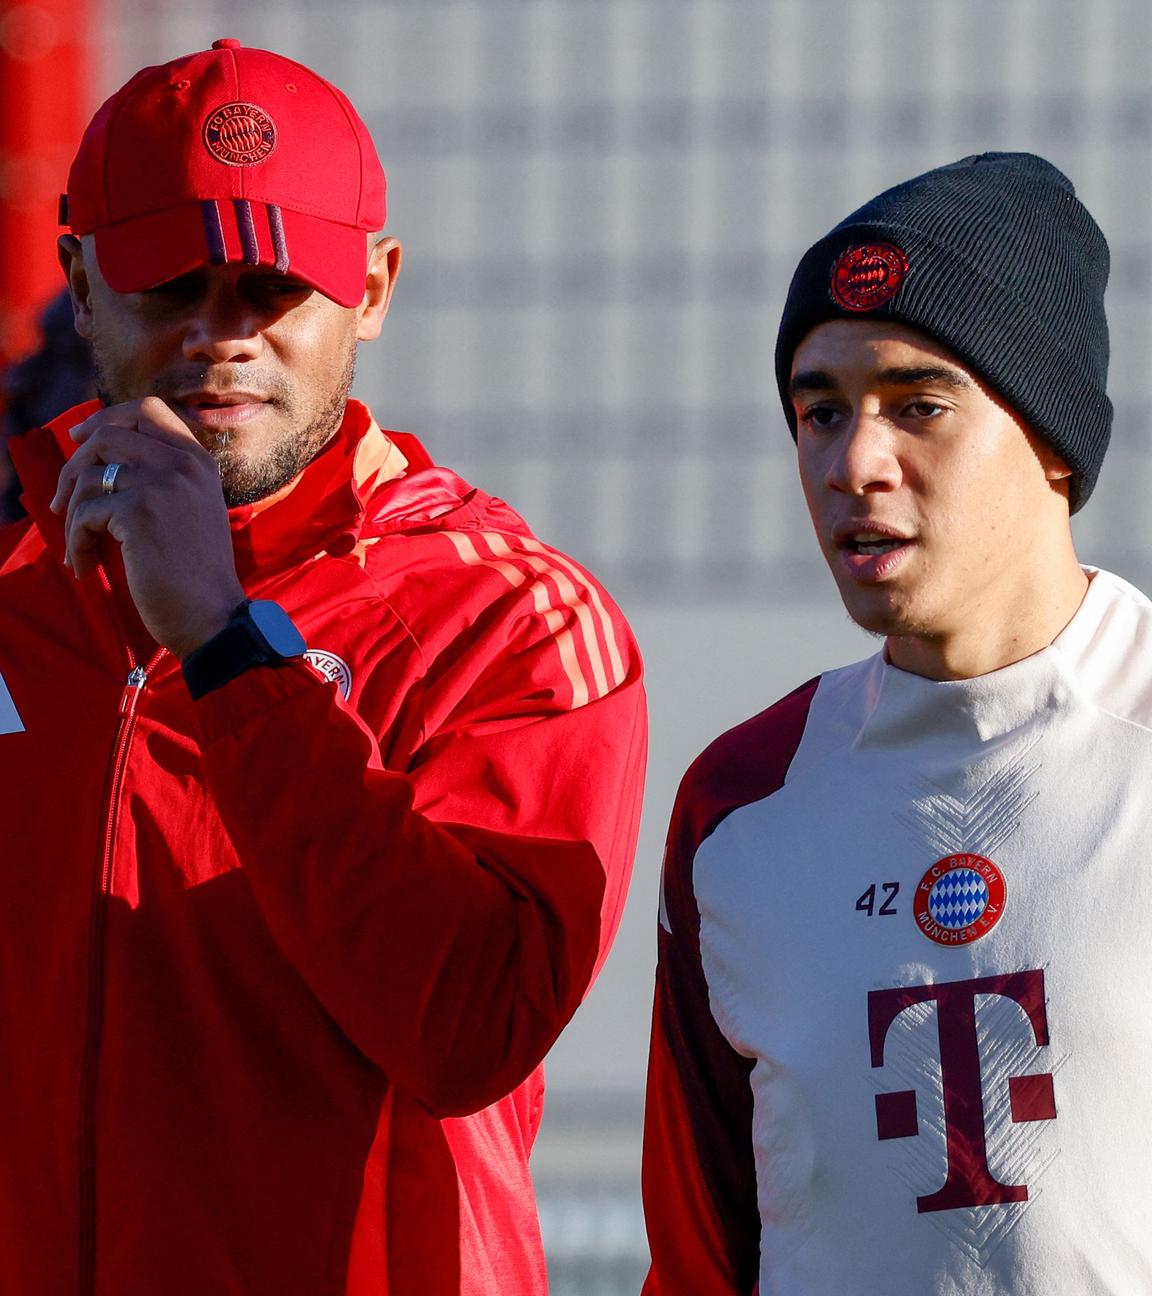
point(959, 899)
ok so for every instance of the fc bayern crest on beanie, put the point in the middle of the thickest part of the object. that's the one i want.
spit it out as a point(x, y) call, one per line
point(996, 258)
point(230, 155)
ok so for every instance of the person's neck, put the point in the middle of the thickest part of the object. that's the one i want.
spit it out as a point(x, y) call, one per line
point(982, 643)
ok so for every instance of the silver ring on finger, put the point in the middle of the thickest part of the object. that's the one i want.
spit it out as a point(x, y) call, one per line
point(108, 481)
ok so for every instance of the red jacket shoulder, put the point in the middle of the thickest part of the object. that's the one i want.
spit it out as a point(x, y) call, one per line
point(476, 575)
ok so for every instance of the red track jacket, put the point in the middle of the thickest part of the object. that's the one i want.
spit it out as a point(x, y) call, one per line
point(278, 968)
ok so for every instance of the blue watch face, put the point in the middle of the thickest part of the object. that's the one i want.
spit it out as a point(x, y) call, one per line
point(277, 628)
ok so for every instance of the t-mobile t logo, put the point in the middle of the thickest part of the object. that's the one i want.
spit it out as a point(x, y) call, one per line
point(970, 1181)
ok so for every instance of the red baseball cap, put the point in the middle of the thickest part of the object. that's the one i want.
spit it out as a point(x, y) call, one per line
point(228, 155)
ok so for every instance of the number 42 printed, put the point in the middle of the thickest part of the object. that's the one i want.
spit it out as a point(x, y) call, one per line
point(867, 902)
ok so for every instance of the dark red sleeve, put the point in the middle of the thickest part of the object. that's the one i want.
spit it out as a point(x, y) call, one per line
point(699, 1176)
point(450, 918)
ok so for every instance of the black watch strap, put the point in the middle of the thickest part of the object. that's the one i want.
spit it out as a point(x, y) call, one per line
point(258, 634)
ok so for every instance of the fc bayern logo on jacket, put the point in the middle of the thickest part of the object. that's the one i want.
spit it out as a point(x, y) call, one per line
point(959, 899)
point(334, 669)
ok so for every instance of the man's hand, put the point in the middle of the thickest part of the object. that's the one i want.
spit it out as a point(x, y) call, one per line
point(167, 513)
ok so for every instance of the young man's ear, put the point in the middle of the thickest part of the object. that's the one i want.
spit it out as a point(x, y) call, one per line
point(1055, 469)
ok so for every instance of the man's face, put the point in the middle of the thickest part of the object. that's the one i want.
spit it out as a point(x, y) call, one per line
point(929, 497)
point(257, 364)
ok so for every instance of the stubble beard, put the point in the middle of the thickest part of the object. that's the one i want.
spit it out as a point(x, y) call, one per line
point(246, 478)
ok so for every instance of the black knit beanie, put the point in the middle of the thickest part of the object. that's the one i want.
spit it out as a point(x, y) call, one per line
point(996, 258)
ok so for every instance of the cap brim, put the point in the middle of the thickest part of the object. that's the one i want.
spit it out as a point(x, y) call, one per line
point(145, 251)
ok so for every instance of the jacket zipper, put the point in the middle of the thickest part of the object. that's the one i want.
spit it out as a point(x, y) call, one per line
point(133, 687)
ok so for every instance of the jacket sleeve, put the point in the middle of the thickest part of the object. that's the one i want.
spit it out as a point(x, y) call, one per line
point(451, 917)
point(699, 1177)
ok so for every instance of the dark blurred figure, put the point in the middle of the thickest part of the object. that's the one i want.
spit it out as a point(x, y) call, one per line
point(42, 385)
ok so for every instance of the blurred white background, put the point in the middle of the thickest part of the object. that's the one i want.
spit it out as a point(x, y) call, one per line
point(602, 202)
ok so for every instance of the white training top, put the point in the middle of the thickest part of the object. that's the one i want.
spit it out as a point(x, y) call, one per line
point(934, 942)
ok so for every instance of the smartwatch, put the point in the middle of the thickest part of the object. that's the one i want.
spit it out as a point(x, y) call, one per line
point(260, 633)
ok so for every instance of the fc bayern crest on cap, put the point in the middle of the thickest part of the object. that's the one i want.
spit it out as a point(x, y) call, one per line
point(240, 134)
point(868, 275)
point(959, 899)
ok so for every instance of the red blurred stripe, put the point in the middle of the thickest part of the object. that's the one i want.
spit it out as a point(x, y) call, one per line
point(44, 106)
